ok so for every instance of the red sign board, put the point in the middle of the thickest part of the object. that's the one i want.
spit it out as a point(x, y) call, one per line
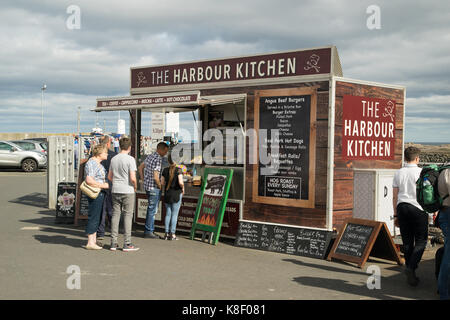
point(368, 128)
point(287, 64)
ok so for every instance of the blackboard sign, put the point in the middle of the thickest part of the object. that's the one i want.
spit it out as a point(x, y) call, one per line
point(285, 120)
point(212, 202)
point(65, 202)
point(82, 204)
point(354, 240)
point(290, 240)
point(358, 239)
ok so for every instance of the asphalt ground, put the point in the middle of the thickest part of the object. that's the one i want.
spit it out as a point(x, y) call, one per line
point(36, 254)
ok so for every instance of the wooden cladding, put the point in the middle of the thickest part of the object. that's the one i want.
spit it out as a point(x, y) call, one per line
point(343, 189)
point(343, 169)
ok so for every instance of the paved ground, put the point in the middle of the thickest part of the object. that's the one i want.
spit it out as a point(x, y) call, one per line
point(35, 254)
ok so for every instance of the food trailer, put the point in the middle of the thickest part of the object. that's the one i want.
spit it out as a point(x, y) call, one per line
point(300, 130)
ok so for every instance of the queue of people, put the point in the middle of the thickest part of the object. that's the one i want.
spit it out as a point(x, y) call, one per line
point(115, 175)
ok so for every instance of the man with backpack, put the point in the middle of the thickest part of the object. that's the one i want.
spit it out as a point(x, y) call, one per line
point(409, 215)
point(444, 217)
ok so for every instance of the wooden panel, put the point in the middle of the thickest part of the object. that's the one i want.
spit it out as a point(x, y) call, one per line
point(344, 88)
point(343, 194)
point(343, 169)
point(285, 215)
point(322, 105)
point(343, 174)
point(322, 134)
point(339, 216)
point(135, 146)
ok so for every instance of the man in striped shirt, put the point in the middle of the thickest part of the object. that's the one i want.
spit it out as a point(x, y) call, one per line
point(150, 169)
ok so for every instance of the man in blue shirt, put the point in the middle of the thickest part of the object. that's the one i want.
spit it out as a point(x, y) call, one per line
point(150, 169)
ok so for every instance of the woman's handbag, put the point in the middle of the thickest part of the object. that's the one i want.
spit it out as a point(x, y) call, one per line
point(91, 192)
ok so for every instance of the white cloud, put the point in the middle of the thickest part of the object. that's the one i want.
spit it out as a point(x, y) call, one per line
point(410, 49)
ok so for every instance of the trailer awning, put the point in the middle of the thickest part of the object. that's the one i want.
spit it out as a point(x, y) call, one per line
point(170, 102)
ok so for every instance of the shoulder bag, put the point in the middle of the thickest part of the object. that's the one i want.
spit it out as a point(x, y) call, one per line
point(91, 192)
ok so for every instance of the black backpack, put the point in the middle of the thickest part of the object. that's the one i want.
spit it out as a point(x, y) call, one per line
point(427, 193)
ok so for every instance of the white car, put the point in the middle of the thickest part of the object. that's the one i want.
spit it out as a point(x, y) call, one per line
point(11, 155)
point(31, 145)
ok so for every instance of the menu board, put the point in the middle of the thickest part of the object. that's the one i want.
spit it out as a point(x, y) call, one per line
point(296, 241)
point(84, 205)
point(212, 201)
point(359, 238)
point(65, 202)
point(354, 240)
point(285, 120)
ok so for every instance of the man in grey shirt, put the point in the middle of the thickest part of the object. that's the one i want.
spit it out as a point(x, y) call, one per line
point(122, 173)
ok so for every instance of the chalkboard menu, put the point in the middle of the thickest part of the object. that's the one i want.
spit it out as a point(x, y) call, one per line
point(296, 241)
point(65, 202)
point(84, 205)
point(359, 238)
point(354, 240)
point(285, 120)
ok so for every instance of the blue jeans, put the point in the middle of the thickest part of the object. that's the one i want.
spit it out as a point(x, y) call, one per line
point(443, 281)
point(154, 195)
point(94, 213)
point(106, 212)
point(172, 210)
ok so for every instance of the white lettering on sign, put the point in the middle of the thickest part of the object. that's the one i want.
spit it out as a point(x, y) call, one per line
point(222, 72)
point(160, 77)
point(368, 128)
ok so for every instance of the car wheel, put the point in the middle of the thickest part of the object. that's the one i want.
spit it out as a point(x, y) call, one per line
point(29, 165)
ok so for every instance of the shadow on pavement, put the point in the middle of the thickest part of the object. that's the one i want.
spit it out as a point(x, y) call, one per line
point(326, 268)
point(76, 243)
point(35, 199)
point(393, 287)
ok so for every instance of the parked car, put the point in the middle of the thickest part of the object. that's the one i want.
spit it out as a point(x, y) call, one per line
point(31, 145)
point(11, 155)
point(37, 139)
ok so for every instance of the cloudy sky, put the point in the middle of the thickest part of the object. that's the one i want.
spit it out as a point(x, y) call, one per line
point(412, 48)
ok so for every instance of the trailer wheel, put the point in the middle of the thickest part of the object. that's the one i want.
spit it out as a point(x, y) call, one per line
point(29, 165)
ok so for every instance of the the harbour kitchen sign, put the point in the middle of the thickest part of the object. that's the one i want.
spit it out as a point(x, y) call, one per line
point(368, 128)
point(278, 65)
